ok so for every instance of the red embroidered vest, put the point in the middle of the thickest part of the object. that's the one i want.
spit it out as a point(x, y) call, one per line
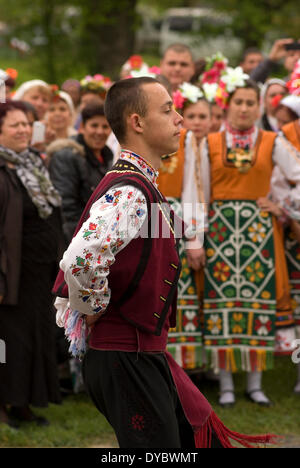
point(143, 279)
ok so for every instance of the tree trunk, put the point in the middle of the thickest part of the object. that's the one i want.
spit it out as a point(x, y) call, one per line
point(47, 25)
point(108, 34)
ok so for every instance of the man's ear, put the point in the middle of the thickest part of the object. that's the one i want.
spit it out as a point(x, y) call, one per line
point(135, 123)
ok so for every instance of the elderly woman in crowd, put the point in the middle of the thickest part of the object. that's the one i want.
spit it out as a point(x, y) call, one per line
point(29, 248)
point(60, 115)
point(37, 93)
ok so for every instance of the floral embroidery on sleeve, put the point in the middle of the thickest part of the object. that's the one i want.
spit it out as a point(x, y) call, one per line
point(114, 221)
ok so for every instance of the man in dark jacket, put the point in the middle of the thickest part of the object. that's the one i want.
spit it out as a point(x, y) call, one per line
point(78, 165)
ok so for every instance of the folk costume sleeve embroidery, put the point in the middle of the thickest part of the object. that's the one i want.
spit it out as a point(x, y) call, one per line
point(286, 178)
point(191, 200)
point(205, 172)
point(114, 221)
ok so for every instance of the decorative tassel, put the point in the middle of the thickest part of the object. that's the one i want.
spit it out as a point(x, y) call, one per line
point(203, 436)
point(76, 332)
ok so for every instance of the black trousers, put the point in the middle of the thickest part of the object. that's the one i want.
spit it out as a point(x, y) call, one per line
point(137, 395)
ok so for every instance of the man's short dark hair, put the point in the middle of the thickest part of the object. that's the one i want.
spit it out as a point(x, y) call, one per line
point(126, 97)
point(250, 51)
point(179, 48)
point(92, 110)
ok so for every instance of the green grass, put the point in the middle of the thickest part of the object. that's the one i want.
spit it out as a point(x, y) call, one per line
point(74, 423)
point(77, 423)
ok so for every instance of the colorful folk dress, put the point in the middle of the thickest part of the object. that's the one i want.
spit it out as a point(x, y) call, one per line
point(176, 182)
point(246, 294)
point(291, 133)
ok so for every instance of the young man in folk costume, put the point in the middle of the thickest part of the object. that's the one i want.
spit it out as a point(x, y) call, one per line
point(246, 282)
point(121, 284)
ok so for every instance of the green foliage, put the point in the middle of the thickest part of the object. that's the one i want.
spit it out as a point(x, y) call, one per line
point(64, 33)
point(254, 20)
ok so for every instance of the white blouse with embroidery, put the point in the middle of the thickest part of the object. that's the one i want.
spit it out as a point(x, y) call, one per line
point(282, 187)
point(287, 167)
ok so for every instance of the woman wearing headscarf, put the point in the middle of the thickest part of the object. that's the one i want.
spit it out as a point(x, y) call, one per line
point(37, 93)
point(271, 88)
point(60, 115)
point(29, 248)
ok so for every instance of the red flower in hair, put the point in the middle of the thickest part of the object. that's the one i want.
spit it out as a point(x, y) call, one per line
point(220, 65)
point(12, 73)
point(55, 92)
point(211, 76)
point(178, 99)
point(135, 61)
point(276, 100)
point(155, 70)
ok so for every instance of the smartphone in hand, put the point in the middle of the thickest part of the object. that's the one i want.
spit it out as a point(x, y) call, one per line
point(38, 132)
point(292, 46)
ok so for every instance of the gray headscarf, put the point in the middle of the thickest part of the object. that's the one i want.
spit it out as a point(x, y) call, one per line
point(35, 177)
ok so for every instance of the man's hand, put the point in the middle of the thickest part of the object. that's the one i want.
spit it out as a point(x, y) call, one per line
point(267, 205)
point(196, 258)
point(278, 50)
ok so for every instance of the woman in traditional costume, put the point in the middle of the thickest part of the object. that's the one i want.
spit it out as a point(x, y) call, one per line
point(246, 293)
point(178, 183)
point(281, 188)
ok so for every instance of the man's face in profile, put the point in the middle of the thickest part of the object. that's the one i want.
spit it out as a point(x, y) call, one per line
point(161, 125)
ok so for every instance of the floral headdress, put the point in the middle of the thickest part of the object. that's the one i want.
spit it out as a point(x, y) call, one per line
point(214, 67)
point(58, 95)
point(294, 83)
point(8, 73)
point(144, 71)
point(186, 94)
point(99, 84)
point(231, 79)
point(135, 67)
point(55, 92)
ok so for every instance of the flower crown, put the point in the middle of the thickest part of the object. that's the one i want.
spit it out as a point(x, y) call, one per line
point(294, 83)
point(97, 83)
point(186, 94)
point(8, 73)
point(214, 67)
point(135, 62)
point(231, 79)
point(144, 71)
point(54, 91)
